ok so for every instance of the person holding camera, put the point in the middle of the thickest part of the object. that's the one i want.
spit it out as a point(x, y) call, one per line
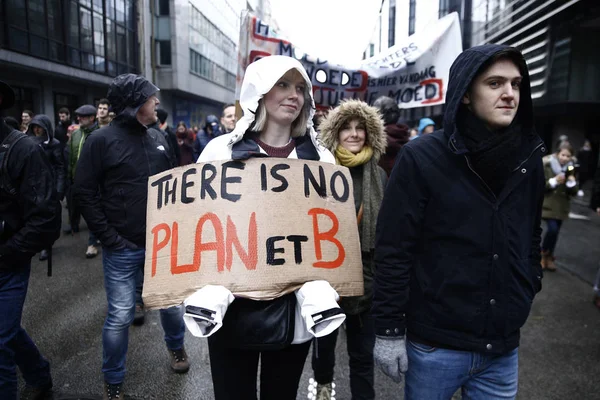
point(561, 185)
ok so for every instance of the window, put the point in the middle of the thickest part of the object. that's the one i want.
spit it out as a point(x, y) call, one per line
point(412, 10)
point(392, 24)
point(163, 7)
point(371, 50)
point(97, 35)
point(204, 67)
point(163, 48)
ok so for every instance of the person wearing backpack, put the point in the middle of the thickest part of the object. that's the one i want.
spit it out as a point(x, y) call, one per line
point(29, 223)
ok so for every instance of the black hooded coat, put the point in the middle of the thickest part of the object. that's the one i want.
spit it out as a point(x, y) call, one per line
point(115, 164)
point(456, 265)
point(53, 149)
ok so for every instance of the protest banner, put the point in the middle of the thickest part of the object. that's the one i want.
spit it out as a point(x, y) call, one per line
point(260, 227)
point(414, 73)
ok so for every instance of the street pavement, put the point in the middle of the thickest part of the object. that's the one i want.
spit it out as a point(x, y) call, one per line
point(64, 314)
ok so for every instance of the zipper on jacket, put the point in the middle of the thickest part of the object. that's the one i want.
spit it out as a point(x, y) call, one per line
point(480, 178)
point(529, 156)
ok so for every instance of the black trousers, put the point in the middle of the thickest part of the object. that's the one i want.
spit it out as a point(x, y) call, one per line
point(360, 340)
point(234, 371)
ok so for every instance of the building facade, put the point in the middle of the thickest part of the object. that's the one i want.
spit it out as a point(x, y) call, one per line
point(191, 48)
point(64, 53)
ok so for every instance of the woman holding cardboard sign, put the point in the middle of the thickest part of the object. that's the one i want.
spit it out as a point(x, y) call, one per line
point(354, 132)
point(276, 98)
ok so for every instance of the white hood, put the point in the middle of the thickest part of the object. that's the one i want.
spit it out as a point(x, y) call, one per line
point(259, 78)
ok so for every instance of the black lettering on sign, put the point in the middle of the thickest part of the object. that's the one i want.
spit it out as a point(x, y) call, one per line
point(263, 177)
point(209, 172)
point(297, 240)
point(159, 185)
point(271, 251)
point(334, 192)
point(274, 173)
point(230, 179)
point(170, 192)
point(320, 187)
point(185, 199)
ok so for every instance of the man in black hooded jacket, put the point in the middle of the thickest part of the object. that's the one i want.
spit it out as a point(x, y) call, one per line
point(111, 185)
point(29, 222)
point(458, 237)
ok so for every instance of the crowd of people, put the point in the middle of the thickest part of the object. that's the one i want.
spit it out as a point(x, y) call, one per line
point(449, 220)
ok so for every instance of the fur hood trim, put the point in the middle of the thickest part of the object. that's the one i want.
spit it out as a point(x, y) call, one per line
point(353, 109)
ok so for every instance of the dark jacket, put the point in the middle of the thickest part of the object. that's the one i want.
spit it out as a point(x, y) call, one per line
point(211, 130)
point(171, 140)
point(60, 133)
point(469, 260)
point(29, 217)
point(557, 200)
point(397, 136)
point(111, 182)
point(53, 149)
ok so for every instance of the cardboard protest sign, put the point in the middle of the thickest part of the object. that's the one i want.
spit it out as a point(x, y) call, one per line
point(414, 72)
point(260, 227)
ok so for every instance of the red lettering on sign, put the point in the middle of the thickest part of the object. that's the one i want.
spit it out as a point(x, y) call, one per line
point(250, 257)
point(218, 245)
point(178, 269)
point(440, 85)
point(156, 246)
point(328, 236)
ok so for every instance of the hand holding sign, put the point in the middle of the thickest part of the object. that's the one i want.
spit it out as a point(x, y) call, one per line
point(261, 228)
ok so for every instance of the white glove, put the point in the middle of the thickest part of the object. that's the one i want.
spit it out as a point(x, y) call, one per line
point(390, 355)
point(317, 303)
point(205, 310)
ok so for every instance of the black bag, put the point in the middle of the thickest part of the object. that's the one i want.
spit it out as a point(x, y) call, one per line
point(259, 325)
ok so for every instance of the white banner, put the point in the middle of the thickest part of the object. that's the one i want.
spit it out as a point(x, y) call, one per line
point(415, 72)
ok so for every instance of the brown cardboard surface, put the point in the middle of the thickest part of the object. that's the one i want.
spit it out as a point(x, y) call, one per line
point(260, 227)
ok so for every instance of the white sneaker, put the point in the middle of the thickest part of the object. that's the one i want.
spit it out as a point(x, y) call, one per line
point(91, 251)
point(580, 193)
point(316, 391)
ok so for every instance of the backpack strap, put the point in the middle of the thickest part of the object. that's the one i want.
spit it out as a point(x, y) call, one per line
point(5, 149)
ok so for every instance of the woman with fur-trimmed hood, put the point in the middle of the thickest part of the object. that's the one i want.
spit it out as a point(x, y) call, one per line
point(354, 133)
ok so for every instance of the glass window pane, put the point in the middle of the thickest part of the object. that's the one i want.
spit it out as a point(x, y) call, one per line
point(98, 34)
point(55, 24)
point(112, 68)
point(73, 26)
point(100, 64)
point(17, 39)
point(57, 51)
point(37, 17)
point(110, 8)
point(87, 61)
point(111, 44)
point(74, 57)
point(120, 10)
point(163, 7)
point(15, 10)
point(121, 44)
point(86, 29)
point(87, 3)
point(98, 6)
point(39, 46)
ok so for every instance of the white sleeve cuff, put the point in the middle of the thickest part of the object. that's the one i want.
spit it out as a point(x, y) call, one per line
point(317, 302)
point(571, 184)
point(205, 310)
point(553, 183)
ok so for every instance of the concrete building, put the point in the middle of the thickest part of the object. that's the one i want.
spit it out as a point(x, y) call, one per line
point(191, 54)
point(64, 53)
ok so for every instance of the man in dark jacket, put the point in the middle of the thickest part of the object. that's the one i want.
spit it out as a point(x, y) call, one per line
point(64, 121)
point(397, 134)
point(458, 237)
point(162, 116)
point(29, 222)
point(211, 130)
point(40, 129)
point(111, 187)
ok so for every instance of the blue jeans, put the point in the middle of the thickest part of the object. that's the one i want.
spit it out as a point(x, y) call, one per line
point(552, 230)
point(121, 268)
point(16, 347)
point(436, 374)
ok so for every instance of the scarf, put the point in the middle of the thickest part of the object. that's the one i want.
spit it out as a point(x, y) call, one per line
point(493, 155)
point(372, 191)
point(556, 167)
point(348, 159)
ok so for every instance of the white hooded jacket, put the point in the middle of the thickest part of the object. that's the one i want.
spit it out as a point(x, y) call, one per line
point(317, 311)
